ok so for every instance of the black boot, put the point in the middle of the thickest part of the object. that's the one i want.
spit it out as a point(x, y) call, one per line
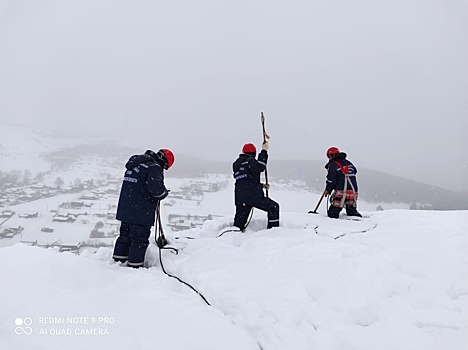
point(272, 224)
point(120, 259)
point(353, 212)
point(334, 212)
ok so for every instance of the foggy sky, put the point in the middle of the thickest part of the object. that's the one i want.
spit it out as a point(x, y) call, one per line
point(385, 81)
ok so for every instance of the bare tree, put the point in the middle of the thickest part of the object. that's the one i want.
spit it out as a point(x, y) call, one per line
point(58, 182)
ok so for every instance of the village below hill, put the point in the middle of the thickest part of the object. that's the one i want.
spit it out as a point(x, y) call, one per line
point(81, 217)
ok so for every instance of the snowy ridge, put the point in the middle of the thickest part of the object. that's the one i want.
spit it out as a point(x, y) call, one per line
point(399, 285)
point(73, 158)
point(56, 155)
point(24, 148)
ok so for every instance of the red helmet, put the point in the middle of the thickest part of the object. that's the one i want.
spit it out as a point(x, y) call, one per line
point(332, 151)
point(249, 148)
point(169, 156)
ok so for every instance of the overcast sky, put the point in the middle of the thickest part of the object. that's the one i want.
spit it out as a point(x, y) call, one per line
point(385, 81)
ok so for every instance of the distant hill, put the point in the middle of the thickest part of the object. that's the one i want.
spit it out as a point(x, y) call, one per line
point(23, 148)
point(374, 186)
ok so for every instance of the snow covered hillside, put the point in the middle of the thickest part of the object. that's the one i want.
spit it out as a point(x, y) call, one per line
point(394, 280)
point(23, 148)
point(33, 155)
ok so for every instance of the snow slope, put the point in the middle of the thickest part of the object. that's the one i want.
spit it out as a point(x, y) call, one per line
point(394, 280)
point(24, 148)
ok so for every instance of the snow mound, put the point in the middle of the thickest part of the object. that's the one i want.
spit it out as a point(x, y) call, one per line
point(394, 280)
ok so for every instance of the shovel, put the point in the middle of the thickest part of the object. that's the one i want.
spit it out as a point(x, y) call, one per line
point(318, 204)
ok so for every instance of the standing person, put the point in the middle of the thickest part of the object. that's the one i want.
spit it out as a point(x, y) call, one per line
point(341, 179)
point(248, 190)
point(142, 189)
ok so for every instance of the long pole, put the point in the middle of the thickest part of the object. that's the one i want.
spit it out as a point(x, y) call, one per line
point(265, 138)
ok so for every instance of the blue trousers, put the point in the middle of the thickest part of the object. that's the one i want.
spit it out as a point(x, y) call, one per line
point(263, 203)
point(132, 243)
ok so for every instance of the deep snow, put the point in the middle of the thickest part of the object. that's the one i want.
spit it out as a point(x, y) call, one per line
point(400, 284)
point(395, 280)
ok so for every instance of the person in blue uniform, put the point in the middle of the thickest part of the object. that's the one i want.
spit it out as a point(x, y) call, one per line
point(142, 189)
point(341, 184)
point(248, 191)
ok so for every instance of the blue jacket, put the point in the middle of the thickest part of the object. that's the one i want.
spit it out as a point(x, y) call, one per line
point(335, 176)
point(247, 171)
point(142, 189)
